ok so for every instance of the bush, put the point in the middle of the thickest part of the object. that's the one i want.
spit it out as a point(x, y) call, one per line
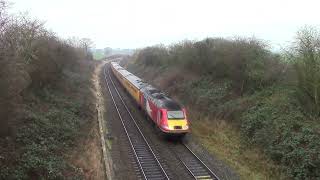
point(46, 136)
point(232, 78)
point(49, 128)
point(30, 57)
point(246, 62)
point(45, 99)
point(153, 56)
point(277, 124)
point(306, 56)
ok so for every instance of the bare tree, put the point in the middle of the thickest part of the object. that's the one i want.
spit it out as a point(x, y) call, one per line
point(3, 21)
point(87, 44)
point(306, 53)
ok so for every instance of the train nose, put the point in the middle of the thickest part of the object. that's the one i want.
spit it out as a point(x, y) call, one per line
point(178, 124)
point(185, 127)
point(165, 127)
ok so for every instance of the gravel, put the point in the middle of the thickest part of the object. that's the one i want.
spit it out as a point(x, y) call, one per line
point(164, 149)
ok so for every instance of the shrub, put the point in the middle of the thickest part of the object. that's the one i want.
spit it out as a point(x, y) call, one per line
point(306, 55)
point(277, 124)
point(232, 78)
point(246, 62)
point(30, 57)
point(45, 99)
point(152, 56)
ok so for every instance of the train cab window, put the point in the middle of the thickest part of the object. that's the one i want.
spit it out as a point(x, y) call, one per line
point(175, 115)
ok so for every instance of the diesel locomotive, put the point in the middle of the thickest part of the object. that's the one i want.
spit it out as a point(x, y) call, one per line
point(168, 115)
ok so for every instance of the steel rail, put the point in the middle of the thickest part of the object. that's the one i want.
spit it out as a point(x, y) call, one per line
point(204, 166)
point(136, 125)
point(125, 129)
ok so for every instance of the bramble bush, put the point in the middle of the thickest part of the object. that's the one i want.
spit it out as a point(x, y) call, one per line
point(277, 123)
point(45, 99)
point(273, 98)
point(246, 62)
point(31, 57)
point(305, 55)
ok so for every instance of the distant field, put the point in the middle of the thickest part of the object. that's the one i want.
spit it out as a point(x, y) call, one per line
point(98, 55)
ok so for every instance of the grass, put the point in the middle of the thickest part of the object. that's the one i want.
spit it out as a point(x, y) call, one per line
point(225, 141)
point(98, 55)
point(220, 136)
point(269, 128)
point(54, 122)
point(46, 100)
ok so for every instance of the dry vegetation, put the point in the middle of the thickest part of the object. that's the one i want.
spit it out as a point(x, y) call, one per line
point(46, 105)
point(270, 100)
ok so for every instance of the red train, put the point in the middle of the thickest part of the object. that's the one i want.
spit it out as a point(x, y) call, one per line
point(169, 116)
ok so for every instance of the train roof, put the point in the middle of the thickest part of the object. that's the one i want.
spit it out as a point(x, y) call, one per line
point(139, 83)
point(162, 100)
point(159, 97)
point(172, 105)
point(136, 81)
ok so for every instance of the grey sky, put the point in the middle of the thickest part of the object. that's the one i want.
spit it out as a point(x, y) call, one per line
point(139, 23)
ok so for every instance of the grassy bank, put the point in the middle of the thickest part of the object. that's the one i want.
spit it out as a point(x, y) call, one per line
point(225, 142)
point(219, 135)
point(244, 103)
point(53, 121)
point(47, 107)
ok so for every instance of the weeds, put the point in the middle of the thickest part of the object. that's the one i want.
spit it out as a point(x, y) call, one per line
point(277, 124)
point(253, 89)
point(246, 62)
point(45, 99)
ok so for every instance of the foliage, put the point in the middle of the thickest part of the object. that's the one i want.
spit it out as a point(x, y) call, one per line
point(246, 62)
point(306, 56)
point(241, 81)
point(30, 57)
point(48, 130)
point(98, 54)
point(277, 124)
point(153, 56)
point(45, 99)
point(203, 93)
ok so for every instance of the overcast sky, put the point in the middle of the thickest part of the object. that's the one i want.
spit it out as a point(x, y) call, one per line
point(139, 23)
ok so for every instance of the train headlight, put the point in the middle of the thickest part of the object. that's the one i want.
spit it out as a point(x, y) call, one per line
point(166, 127)
point(186, 127)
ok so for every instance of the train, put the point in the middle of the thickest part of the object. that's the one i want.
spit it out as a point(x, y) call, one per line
point(169, 116)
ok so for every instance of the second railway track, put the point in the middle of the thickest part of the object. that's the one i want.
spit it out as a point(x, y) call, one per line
point(196, 167)
point(145, 157)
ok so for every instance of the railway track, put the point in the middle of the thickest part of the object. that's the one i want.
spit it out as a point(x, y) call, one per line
point(146, 159)
point(148, 163)
point(196, 167)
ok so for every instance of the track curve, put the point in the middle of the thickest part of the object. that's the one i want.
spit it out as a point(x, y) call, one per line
point(146, 159)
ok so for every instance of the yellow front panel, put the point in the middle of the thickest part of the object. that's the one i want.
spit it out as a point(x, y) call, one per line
point(172, 123)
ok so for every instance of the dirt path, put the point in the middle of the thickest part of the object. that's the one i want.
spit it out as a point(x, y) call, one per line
point(92, 158)
point(103, 131)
